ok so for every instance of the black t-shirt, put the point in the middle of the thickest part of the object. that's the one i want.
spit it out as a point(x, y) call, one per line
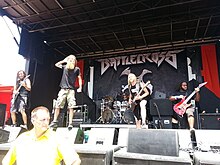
point(23, 91)
point(134, 90)
point(184, 93)
point(69, 78)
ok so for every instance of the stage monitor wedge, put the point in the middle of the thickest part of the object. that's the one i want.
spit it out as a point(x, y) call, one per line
point(14, 132)
point(154, 142)
point(4, 136)
point(2, 114)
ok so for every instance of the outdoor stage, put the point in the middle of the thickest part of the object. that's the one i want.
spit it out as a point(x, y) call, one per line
point(123, 144)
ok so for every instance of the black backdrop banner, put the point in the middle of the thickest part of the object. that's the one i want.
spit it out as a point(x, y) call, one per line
point(164, 69)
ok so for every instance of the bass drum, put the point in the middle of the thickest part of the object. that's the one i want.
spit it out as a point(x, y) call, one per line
point(129, 116)
point(107, 115)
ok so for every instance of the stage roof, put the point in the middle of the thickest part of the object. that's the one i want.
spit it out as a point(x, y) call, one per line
point(107, 28)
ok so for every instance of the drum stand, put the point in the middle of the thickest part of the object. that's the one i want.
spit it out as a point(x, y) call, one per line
point(99, 120)
point(100, 117)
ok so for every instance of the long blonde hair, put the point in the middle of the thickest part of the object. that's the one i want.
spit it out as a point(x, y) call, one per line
point(131, 75)
point(71, 62)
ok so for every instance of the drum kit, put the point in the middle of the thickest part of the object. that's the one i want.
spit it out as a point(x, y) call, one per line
point(116, 111)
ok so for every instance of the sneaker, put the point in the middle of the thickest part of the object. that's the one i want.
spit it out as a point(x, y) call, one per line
point(54, 124)
point(70, 127)
point(144, 126)
point(14, 125)
point(24, 126)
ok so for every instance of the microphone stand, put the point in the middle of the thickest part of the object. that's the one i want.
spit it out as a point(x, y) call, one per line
point(159, 117)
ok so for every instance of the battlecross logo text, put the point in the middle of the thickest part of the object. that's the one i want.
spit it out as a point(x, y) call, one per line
point(169, 56)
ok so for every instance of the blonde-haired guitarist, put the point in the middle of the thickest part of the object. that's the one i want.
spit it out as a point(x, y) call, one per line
point(138, 95)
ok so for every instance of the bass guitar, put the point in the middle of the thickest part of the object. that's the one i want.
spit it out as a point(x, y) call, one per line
point(180, 108)
point(17, 93)
point(133, 103)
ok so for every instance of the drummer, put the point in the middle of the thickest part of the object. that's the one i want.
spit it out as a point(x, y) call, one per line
point(108, 102)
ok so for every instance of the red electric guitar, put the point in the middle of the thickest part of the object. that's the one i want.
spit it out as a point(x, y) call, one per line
point(180, 108)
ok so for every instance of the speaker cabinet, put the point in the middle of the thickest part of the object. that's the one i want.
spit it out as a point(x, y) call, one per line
point(101, 136)
point(62, 119)
point(210, 121)
point(162, 106)
point(208, 140)
point(206, 158)
point(80, 115)
point(84, 99)
point(155, 142)
point(4, 136)
point(101, 155)
point(165, 122)
point(75, 134)
point(2, 114)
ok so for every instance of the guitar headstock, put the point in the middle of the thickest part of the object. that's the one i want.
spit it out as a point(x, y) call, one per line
point(202, 84)
point(27, 76)
point(147, 83)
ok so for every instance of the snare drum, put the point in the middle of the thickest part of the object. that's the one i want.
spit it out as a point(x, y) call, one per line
point(117, 105)
point(124, 106)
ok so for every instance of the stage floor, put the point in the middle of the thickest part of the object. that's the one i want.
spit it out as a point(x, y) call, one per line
point(108, 143)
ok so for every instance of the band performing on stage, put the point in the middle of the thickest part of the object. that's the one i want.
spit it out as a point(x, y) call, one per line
point(137, 111)
point(110, 82)
point(130, 106)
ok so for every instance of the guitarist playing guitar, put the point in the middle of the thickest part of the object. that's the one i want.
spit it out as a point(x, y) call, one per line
point(138, 96)
point(20, 98)
point(178, 99)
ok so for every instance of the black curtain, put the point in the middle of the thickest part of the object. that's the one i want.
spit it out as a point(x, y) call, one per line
point(32, 45)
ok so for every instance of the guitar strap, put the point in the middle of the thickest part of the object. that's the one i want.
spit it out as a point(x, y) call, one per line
point(138, 85)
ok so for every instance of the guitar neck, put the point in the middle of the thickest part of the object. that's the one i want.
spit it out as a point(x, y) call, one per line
point(190, 96)
point(145, 85)
point(18, 89)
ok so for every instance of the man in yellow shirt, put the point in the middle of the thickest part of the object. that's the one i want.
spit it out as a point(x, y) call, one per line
point(41, 146)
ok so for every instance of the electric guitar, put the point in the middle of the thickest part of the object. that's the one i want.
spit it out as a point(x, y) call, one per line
point(16, 95)
point(133, 103)
point(180, 108)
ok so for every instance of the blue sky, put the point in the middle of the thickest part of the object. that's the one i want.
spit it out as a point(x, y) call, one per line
point(10, 61)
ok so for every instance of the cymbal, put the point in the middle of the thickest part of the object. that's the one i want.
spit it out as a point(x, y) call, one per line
point(109, 98)
point(122, 96)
